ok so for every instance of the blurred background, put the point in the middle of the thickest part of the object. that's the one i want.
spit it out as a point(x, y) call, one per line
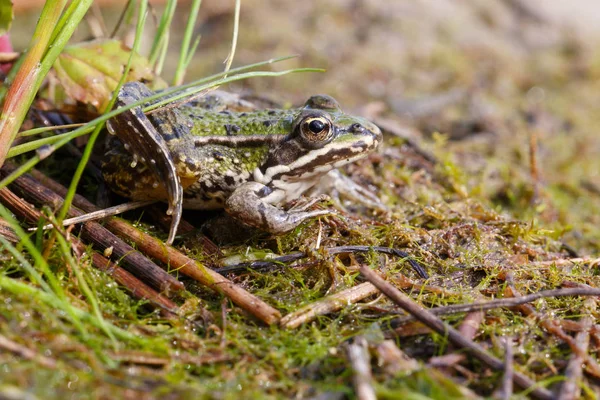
point(508, 90)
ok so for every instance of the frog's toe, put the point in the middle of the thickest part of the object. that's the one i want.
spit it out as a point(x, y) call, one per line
point(339, 185)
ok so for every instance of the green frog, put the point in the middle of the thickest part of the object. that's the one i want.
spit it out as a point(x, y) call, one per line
point(220, 152)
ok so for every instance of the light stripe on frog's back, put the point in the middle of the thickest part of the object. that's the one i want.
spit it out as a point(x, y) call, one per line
point(229, 124)
point(238, 141)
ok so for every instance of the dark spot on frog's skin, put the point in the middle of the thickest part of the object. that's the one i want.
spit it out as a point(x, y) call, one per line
point(268, 123)
point(204, 187)
point(229, 180)
point(218, 155)
point(195, 116)
point(271, 112)
point(243, 115)
point(205, 197)
point(231, 129)
point(225, 112)
point(169, 136)
point(264, 191)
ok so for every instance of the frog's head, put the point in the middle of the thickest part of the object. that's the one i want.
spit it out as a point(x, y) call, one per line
point(321, 138)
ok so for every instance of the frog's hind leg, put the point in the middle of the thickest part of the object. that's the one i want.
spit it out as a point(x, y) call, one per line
point(143, 139)
point(130, 178)
point(217, 101)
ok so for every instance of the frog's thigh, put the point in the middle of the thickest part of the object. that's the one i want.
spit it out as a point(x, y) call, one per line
point(218, 100)
point(137, 183)
point(247, 205)
point(188, 161)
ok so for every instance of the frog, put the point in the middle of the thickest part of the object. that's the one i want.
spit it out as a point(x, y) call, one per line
point(222, 152)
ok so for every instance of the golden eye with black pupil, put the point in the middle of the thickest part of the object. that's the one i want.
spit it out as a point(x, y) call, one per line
point(316, 129)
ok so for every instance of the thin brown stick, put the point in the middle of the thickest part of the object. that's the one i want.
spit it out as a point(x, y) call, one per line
point(134, 286)
point(505, 391)
point(223, 340)
point(566, 261)
point(506, 302)
point(552, 326)
point(427, 318)
point(533, 166)
point(99, 236)
point(328, 305)
point(155, 248)
point(178, 261)
point(471, 323)
point(357, 352)
point(571, 388)
point(288, 258)
point(7, 232)
point(143, 358)
point(25, 352)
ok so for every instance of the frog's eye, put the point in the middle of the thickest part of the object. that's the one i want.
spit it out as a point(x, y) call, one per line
point(316, 129)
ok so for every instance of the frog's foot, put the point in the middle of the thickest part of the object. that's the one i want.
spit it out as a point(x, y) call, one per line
point(339, 185)
point(247, 205)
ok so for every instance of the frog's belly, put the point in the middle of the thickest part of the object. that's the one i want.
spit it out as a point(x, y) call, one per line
point(206, 195)
point(201, 204)
point(209, 192)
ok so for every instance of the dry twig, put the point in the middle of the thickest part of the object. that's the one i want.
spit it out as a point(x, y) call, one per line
point(26, 352)
point(553, 326)
point(570, 388)
point(288, 258)
point(446, 330)
point(360, 361)
point(134, 286)
point(505, 391)
point(328, 305)
point(505, 302)
point(99, 236)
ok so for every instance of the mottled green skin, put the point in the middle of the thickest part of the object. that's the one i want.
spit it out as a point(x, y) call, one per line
point(215, 151)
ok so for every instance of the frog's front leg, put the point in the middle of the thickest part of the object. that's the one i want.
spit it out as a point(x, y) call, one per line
point(247, 204)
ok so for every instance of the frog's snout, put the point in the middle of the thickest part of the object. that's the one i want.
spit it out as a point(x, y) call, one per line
point(375, 131)
point(370, 133)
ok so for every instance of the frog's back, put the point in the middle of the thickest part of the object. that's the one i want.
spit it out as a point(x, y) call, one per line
point(216, 151)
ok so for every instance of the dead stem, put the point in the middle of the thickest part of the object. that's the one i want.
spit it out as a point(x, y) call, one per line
point(505, 391)
point(26, 352)
point(357, 352)
point(288, 258)
point(328, 305)
point(506, 302)
point(134, 286)
point(571, 387)
point(99, 236)
point(453, 335)
point(143, 358)
point(553, 327)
